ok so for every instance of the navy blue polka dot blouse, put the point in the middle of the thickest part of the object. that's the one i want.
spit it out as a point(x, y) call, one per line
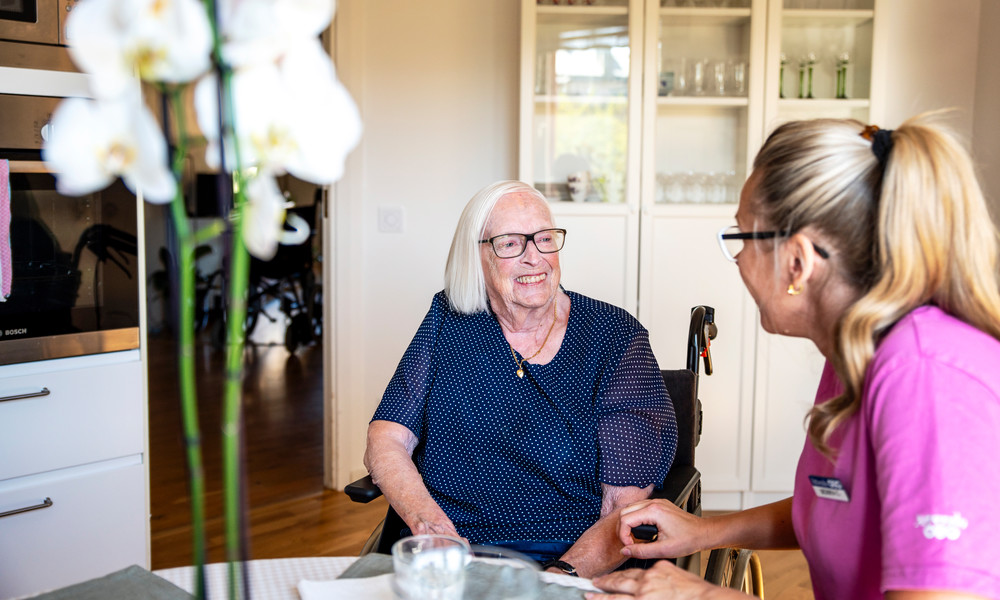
point(511, 459)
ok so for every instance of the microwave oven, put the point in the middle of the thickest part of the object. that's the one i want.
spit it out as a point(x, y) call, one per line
point(72, 270)
point(32, 34)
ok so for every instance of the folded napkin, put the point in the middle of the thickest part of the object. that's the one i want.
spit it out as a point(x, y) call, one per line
point(369, 588)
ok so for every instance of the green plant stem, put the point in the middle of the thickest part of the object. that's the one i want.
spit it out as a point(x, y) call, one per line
point(239, 274)
point(232, 418)
point(185, 353)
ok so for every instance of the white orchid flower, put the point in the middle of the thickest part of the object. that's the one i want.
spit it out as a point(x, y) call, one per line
point(291, 116)
point(92, 142)
point(262, 30)
point(161, 40)
point(264, 217)
point(325, 120)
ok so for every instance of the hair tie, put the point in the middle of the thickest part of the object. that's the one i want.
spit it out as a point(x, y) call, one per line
point(881, 140)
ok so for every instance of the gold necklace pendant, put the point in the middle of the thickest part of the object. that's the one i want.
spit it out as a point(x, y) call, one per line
point(520, 363)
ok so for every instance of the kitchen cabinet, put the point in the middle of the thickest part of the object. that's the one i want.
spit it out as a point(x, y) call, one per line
point(639, 122)
point(73, 489)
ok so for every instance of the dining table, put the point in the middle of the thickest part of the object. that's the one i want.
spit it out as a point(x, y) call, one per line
point(319, 578)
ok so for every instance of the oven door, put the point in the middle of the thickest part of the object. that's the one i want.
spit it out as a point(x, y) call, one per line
point(29, 21)
point(69, 282)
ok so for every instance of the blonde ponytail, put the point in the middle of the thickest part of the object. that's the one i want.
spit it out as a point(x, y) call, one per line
point(930, 239)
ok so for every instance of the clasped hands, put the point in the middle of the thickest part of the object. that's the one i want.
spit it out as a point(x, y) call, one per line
point(679, 535)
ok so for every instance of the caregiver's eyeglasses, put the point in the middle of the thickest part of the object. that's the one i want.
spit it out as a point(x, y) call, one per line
point(731, 240)
point(512, 245)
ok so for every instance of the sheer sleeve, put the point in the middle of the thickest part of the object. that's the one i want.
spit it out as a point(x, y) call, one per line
point(404, 399)
point(636, 428)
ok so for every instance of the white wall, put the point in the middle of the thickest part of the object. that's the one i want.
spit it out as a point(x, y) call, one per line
point(935, 45)
point(437, 85)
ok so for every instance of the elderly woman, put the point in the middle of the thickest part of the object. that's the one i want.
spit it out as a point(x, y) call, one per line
point(878, 247)
point(521, 414)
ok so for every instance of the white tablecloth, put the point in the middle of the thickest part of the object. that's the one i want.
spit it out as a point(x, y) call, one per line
point(276, 579)
point(271, 578)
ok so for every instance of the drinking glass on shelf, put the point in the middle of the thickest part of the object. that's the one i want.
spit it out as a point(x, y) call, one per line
point(674, 190)
point(699, 188)
point(737, 77)
point(718, 74)
point(715, 188)
point(734, 185)
point(697, 82)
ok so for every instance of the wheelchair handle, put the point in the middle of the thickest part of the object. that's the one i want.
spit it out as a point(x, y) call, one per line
point(700, 335)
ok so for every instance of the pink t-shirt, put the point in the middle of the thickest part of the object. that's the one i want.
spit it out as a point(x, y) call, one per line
point(920, 465)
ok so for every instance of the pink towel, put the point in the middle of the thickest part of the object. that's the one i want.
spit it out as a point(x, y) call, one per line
point(5, 260)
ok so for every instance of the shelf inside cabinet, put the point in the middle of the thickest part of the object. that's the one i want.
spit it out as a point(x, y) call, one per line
point(581, 99)
point(705, 16)
point(681, 209)
point(831, 104)
point(826, 18)
point(565, 208)
point(581, 15)
point(732, 101)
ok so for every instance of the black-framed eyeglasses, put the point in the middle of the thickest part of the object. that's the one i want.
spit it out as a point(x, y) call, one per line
point(731, 240)
point(512, 245)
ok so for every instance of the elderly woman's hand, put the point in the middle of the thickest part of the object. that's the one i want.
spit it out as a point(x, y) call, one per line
point(663, 581)
point(680, 533)
point(435, 522)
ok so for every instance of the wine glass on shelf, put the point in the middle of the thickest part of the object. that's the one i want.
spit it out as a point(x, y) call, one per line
point(783, 61)
point(843, 61)
point(806, 65)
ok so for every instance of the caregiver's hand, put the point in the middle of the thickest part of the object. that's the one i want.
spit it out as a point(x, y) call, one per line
point(680, 532)
point(663, 581)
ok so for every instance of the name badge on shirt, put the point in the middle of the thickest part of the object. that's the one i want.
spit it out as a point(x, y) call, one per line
point(829, 487)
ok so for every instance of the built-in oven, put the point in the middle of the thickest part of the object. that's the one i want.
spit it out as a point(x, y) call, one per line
point(33, 34)
point(69, 266)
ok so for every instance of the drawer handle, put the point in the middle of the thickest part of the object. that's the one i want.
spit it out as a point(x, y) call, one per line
point(45, 504)
point(42, 392)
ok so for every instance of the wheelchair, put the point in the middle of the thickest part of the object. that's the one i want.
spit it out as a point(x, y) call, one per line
point(727, 567)
point(289, 282)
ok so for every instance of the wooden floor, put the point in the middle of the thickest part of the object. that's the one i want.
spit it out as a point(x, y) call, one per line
point(290, 514)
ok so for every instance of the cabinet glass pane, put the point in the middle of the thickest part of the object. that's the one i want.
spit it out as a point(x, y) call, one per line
point(580, 129)
point(701, 113)
point(826, 55)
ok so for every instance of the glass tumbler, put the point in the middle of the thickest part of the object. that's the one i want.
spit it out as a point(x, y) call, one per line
point(430, 567)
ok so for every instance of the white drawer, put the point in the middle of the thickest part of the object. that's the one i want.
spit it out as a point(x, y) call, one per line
point(96, 525)
point(89, 414)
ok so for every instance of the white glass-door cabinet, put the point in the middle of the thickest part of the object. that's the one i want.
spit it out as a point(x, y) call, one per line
point(842, 42)
point(703, 110)
point(640, 121)
point(580, 116)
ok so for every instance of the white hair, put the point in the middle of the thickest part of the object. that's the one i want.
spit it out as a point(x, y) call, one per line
point(464, 282)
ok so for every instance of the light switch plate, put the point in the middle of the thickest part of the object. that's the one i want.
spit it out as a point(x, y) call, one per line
point(391, 219)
